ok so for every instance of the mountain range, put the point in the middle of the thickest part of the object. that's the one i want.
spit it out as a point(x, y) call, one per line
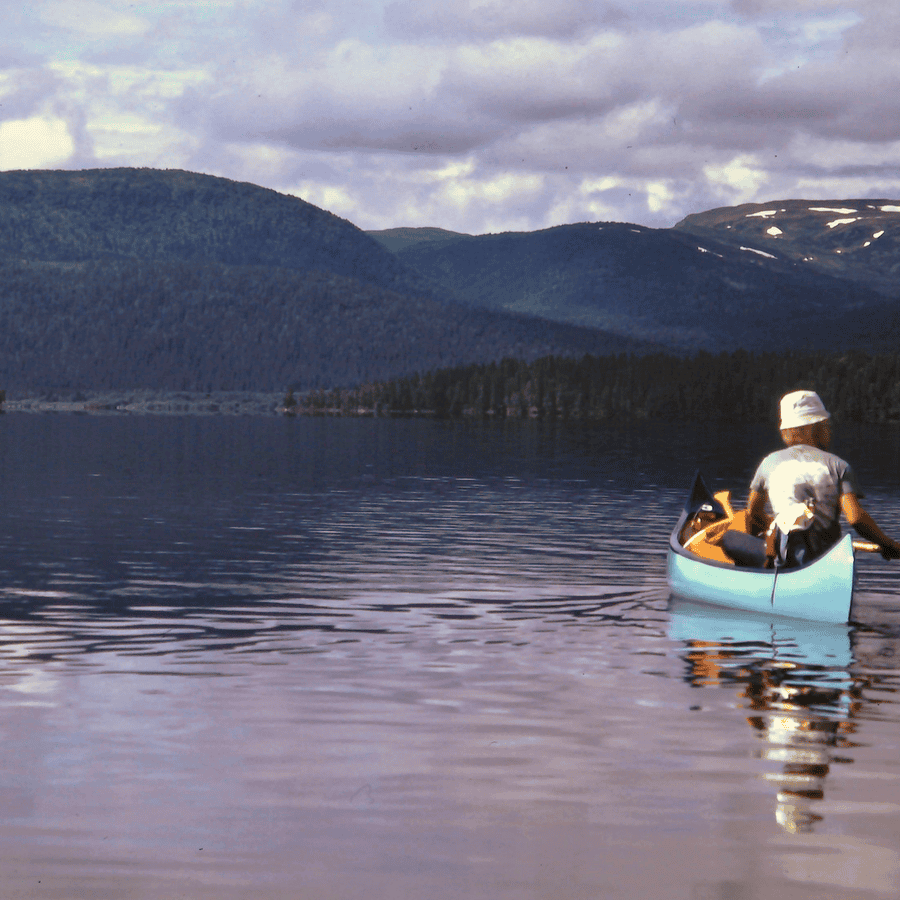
point(143, 278)
point(140, 278)
point(853, 240)
point(801, 275)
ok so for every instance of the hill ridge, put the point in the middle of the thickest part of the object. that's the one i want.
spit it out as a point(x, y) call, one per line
point(126, 278)
point(148, 278)
point(683, 288)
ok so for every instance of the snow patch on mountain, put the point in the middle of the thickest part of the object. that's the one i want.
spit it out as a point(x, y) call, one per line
point(760, 252)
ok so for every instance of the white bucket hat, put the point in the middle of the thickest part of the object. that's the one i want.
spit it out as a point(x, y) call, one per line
point(801, 408)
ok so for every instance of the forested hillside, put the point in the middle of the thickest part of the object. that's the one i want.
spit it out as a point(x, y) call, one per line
point(125, 278)
point(174, 216)
point(737, 386)
point(400, 238)
point(199, 326)
point(663, 285)
point(139, 278)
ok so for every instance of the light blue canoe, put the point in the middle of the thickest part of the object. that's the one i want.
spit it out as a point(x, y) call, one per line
point(821, 591)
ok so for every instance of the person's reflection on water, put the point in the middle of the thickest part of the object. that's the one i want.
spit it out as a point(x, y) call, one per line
point(806, 740)
point(802, 710)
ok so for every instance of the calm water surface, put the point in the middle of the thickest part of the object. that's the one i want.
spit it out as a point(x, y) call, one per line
point(268, 658)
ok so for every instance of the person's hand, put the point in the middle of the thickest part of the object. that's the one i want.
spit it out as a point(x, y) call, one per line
point(890, 551)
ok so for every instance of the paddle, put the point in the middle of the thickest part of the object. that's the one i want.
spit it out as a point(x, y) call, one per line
point(867, 546)
point(872, 547)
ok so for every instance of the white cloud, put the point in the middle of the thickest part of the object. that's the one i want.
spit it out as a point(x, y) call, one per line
point(567, 209)
point(816, 32)
point(93, 19)
point(120, 113)
point(659, 195)
point(333, 197)
point(121, 138)
point(34, 143)
point(498, 189)
point(470, 114)
point(737, 181)
point(835, 155)
point(132, 84)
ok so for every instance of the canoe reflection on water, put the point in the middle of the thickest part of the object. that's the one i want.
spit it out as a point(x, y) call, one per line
point(793, 678)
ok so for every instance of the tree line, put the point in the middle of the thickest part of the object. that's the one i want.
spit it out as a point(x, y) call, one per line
point(739, 385)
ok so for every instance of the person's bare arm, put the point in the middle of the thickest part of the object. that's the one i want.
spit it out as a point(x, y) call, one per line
point(757, 519)
point(866, 527)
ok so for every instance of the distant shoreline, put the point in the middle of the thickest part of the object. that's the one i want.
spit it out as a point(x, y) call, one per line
point(190, 403)
point(161, 402)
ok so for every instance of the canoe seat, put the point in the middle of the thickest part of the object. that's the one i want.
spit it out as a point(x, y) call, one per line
point(707, 543)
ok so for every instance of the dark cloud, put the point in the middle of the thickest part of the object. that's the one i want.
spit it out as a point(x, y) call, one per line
point(27, 90)
point(12, 58)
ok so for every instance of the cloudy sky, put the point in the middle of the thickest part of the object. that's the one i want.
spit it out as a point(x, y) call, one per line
point(472, 115)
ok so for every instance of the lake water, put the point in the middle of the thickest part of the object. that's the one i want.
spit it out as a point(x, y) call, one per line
point(258, 657)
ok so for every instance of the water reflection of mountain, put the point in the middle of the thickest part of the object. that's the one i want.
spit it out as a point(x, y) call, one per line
point(794, 679)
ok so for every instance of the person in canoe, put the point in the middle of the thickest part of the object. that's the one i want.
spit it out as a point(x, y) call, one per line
point(798, 493)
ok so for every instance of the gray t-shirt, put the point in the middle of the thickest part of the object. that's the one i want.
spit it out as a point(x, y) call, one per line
point(806, 476)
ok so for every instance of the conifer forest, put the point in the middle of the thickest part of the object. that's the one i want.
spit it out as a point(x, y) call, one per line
point(736, 386)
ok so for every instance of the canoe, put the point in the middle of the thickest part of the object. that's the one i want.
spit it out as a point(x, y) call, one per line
point(699, 570)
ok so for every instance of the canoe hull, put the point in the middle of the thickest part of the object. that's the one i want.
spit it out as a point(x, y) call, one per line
point(821, 591)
